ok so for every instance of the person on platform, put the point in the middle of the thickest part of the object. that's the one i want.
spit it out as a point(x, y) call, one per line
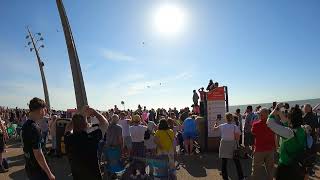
point(83, 145)
point(216, 85)
point(230, 134)
point(202, 94)
point(265, 146)
point(195, 98)
point(210, 85)
point(292, 144)
point(36, 166)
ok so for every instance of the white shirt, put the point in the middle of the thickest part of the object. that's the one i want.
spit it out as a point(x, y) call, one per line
point(125, 127)
point(102, 127)
point(228, 131)
point(151, 126)
point(137, 133)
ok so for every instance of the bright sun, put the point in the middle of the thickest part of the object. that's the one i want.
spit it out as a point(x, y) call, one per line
point(169, 19)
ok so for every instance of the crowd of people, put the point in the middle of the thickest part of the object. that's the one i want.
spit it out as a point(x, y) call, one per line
point(278, 134)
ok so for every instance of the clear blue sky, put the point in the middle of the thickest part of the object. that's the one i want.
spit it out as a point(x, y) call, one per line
point(262, 50)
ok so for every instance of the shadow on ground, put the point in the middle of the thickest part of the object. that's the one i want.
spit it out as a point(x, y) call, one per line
point(197, 165)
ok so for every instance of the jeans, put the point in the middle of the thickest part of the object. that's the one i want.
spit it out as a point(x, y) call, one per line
point(224, 168)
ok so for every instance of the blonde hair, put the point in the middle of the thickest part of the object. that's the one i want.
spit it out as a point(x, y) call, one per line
point(229, 117)
point(136, 119)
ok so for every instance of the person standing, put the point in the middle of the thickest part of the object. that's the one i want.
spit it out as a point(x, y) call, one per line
point(292, 144)
point(195, 98)
point(164, 138)
point(230, 134)
point(189, 133)
point(137, 132)
point(248, 137)
point(114, 134)
point(239, 116)
point(127, 141)
point(44, 126)
point(82, 145)
point(210, 85)
point(265, 146)
point(149, 142)
point(3, 138)
point(36, 166)
point(311, 119)
point(52, 130)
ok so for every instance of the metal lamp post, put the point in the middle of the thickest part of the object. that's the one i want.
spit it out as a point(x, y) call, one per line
point(40, 62)
point(79, 88)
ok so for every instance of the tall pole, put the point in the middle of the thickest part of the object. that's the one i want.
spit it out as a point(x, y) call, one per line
point(44, 82)
point(79, 88)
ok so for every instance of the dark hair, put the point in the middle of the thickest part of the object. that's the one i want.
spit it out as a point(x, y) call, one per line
point(36, 104)
point(163, 125)
point(170, 123)
point(123, 114)
point(249, 108)
point(238, 111)
point(78, 122)
point(295, 116)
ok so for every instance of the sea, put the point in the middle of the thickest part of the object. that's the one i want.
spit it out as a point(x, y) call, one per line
point(312, 102)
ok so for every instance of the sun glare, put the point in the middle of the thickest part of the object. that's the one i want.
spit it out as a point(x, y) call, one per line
point(169, 19)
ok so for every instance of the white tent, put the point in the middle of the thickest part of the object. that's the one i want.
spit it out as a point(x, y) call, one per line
point(316, 109)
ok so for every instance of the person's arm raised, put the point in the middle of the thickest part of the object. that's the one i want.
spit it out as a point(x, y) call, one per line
point(87, 110)
point(277, 128)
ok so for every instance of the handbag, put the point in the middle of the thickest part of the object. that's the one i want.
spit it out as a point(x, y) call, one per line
point(240, 151)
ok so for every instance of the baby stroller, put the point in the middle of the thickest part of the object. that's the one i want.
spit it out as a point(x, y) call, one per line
point(114, 167)
point(160, 166)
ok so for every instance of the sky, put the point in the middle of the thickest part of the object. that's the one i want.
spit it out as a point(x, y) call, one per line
point(140, 52)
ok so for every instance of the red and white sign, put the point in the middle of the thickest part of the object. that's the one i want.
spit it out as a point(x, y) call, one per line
point(216, 106)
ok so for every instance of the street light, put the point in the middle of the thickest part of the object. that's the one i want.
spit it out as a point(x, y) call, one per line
point(40, 63)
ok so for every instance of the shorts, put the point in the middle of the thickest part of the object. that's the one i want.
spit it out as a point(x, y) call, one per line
point(189, 135)
point(127, 141)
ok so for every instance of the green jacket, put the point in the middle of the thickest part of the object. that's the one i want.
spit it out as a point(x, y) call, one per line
point(290, 148)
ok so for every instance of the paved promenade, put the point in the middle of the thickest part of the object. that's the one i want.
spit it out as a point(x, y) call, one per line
point(202, 167)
